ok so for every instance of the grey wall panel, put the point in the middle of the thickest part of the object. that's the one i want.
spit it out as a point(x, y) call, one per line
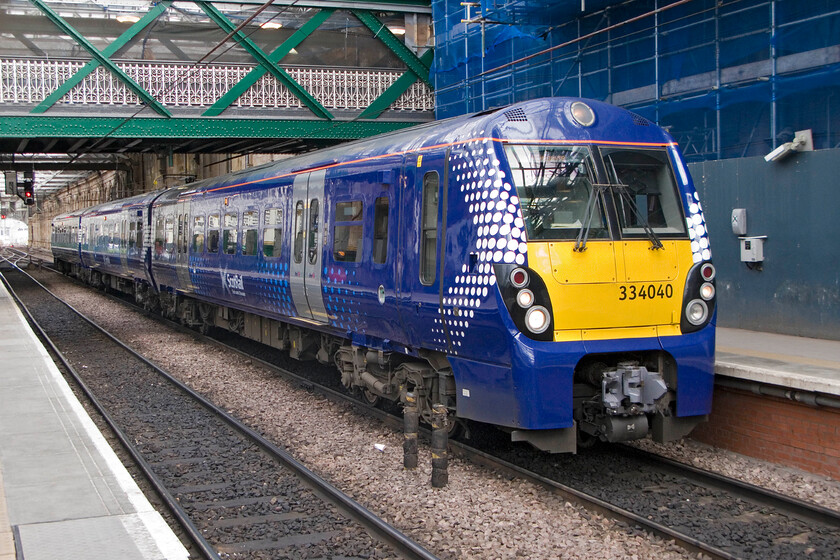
point(796, 204)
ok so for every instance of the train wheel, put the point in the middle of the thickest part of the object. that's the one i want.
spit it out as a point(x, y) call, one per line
point(455, 428)
point(371, 398)
point(586, 441)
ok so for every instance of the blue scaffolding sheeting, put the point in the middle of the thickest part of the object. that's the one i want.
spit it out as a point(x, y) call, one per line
point(730, 78)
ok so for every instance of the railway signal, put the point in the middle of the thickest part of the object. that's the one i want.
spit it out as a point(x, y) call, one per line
point(28, 188)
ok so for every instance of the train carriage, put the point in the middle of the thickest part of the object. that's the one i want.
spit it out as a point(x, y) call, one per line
point(543, 267)
point(64, 239)
point(107, 245)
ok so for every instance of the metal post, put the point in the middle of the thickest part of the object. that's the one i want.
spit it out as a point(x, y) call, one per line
point(411, 422)
point(774, 59)
point(440, 443)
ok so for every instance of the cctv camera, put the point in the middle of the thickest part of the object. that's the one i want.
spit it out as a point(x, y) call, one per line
point(779, 152)
point(802, 142)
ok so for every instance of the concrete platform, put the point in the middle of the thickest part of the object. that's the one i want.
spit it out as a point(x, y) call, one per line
point(63, 491)
point(777, 398)
point(804, 364)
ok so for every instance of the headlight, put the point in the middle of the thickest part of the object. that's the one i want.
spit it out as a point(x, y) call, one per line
point(696, 311)
point(707, 291)
point(583, 113)
point(525, 299)
point(537, 319)
point(707, 271)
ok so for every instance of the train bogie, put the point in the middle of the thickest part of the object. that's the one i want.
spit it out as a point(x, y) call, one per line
point(544, 268)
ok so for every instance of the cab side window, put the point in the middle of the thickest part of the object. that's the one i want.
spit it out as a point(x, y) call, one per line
point(429, 227)
point(380, 230)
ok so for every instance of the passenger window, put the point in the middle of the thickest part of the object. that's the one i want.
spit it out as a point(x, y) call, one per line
point(347, 235)
point(213, 233)
point(230, 234)
point(299, 229)
point(429, 227)
point(198, 235)
point(272, 232)
point(169, 234)
point(158, 236)
point(314, 217)
point(250, 225)
point(184, 234)
point(180, 233)
point(380, 230)
point(132, 236)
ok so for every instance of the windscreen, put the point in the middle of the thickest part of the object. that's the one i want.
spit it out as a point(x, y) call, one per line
point(555, 189)
point(645, 192)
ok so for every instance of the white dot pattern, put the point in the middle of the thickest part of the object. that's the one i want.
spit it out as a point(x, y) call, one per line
point(493, 207)
point(697, 231)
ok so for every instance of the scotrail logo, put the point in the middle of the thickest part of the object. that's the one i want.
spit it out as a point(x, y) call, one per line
point(234, 284)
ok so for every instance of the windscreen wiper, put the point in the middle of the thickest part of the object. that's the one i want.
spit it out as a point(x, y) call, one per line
point(628, 200)
point(625, 196)
point(586, 224)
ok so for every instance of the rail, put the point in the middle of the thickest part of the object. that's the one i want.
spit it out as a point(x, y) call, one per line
point(197, 528)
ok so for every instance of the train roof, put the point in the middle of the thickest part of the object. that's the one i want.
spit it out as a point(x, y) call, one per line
point(547, 119)
point(75, 214)
point(118, 205)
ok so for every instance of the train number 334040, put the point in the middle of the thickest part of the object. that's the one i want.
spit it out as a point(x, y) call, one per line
point(645, 291)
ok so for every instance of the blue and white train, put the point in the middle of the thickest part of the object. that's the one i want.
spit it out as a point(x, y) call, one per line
point(543, 267)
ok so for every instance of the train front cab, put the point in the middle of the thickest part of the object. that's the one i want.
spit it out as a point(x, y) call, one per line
point(618, 282)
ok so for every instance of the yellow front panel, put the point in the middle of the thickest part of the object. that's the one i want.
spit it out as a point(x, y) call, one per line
point(613, 290)
point(595, 264)
point(594, 306)
point(644, 264)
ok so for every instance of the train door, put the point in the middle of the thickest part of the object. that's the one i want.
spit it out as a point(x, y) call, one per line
point(121, 241)
point(146, 238)
point(182, 244)
point(421, 245)
point(307, 245)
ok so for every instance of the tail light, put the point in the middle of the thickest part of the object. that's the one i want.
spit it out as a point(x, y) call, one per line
point(519, 277)
point(526, 298)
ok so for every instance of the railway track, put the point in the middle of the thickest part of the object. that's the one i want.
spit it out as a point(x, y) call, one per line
point(236, 494)
point(703, 512)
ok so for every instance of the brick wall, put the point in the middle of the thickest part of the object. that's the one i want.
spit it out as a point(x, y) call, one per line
point(776, 430)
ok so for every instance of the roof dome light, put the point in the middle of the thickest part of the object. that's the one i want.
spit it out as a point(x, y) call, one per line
point(582, 113)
